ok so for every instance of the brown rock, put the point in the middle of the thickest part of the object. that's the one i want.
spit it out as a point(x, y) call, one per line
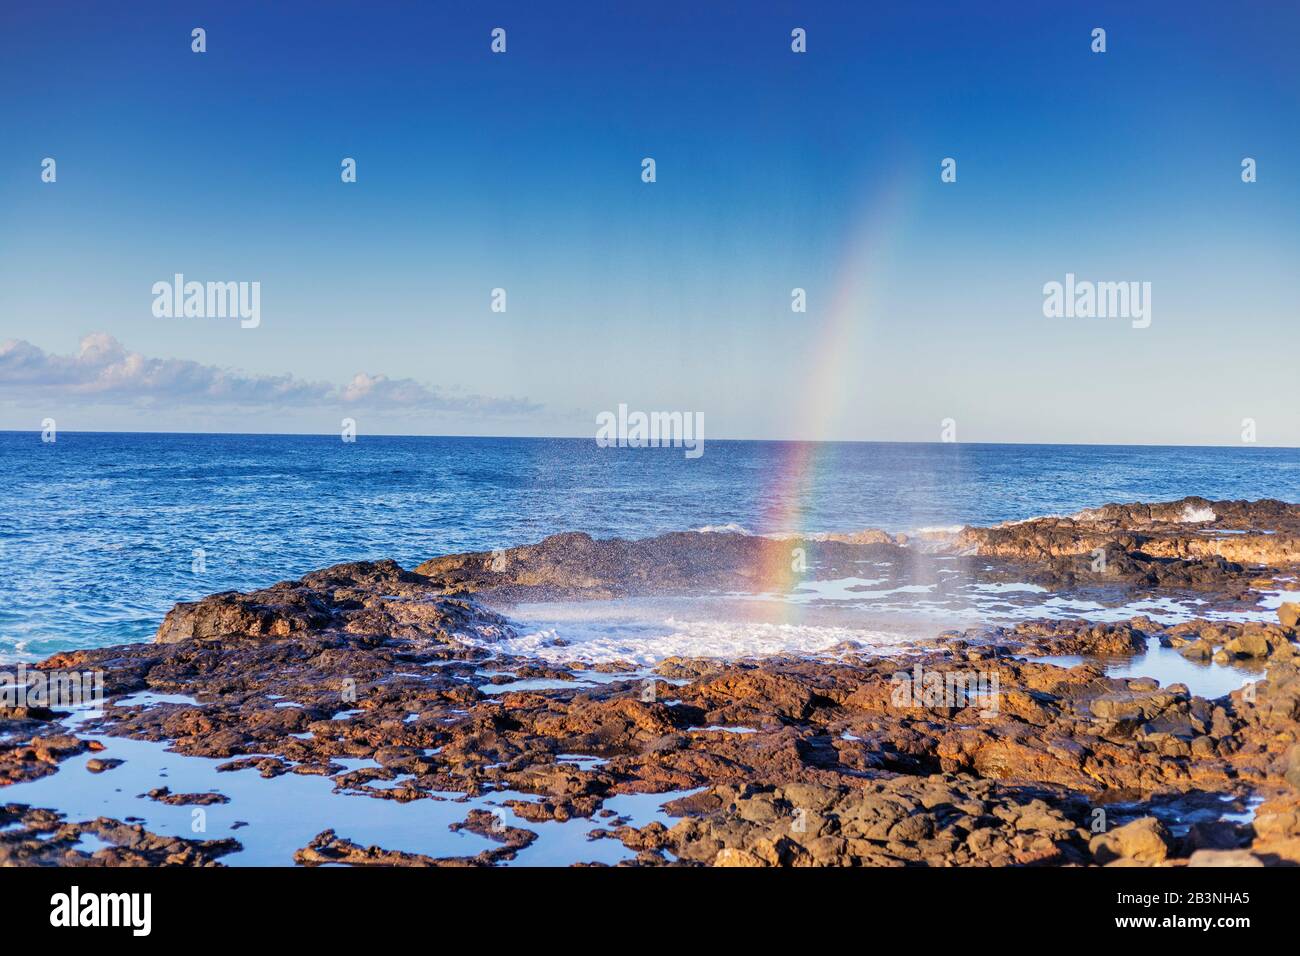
point(1288, 614)
point(1233, 858)
point(1145, 840)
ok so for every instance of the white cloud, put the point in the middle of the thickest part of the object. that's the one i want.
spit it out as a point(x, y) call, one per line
point(102, 371)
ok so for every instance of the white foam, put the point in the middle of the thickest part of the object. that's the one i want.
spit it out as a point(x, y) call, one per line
point(644, 631)
point(649, 642)
point(817, 618)
point(1017, 521)
point(729, 528)
point(1192, 515)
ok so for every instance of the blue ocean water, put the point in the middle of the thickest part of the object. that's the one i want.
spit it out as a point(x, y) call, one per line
point(98, 531)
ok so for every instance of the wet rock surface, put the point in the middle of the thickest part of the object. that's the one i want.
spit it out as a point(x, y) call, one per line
point(966, 751)
point(38, 837)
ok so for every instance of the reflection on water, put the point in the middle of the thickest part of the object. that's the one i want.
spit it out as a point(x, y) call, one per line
point(273, 817)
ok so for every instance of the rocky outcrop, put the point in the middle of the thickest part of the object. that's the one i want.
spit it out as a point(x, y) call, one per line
point(973, 751)
point(1192, 544)
point(1204, 538)
point(378, 599)
point(576, 565)
point(1232, 642)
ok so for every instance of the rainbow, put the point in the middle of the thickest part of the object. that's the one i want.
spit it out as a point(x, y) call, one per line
point(838, 336)
point(837, 342)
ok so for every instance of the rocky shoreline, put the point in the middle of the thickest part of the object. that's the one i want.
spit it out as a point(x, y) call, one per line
point(365, 675)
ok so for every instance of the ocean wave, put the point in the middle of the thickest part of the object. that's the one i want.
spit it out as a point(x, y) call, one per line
point(1079, 515)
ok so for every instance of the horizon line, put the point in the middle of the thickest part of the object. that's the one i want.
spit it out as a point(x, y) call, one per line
point(771, 441)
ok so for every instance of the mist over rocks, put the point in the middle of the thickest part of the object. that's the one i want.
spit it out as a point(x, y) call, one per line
point(574, 565)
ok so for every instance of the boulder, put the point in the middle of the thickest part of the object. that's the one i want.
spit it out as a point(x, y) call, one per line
point(1288, 614)
point(1145, 840)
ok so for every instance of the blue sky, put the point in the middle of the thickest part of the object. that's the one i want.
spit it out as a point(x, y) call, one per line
point(775, 170)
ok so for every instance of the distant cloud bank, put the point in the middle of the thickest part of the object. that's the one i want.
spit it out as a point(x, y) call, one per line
point(103, 371)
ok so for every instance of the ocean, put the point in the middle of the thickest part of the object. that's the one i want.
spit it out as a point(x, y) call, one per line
point(100, 533)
